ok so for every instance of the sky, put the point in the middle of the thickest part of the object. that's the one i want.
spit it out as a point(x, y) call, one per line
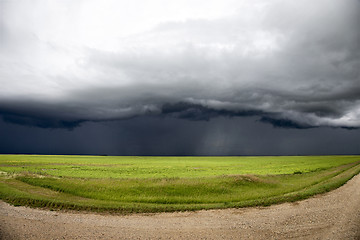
point(189, 77)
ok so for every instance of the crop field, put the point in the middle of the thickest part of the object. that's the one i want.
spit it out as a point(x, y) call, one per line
point(155, 184)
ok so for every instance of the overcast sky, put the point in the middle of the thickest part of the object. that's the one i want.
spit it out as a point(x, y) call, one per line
point(182, 77)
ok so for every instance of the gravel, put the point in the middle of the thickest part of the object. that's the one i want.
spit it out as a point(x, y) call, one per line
point(334, 215)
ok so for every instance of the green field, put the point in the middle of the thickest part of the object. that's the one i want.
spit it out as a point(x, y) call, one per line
point(153, 184)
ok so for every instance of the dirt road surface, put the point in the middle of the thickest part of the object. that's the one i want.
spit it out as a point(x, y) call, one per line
point(334, 215)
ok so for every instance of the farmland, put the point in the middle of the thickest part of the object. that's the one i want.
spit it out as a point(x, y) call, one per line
point(153, 184)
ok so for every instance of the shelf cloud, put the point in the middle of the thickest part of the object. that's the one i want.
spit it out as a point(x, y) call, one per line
point(292, 64)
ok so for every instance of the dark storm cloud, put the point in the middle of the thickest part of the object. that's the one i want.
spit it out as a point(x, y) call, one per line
point(40, 122)
point(283, 123)
point(293, 64)
point(197, 112)
point(172, 136)
point(38, 115)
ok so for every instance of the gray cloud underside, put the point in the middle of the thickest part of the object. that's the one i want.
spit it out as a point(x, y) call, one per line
point(293, 66)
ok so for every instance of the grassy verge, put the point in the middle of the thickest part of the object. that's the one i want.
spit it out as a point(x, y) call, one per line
point(155, 194)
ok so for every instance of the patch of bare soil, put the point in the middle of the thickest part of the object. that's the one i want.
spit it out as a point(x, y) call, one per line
point(335, 215)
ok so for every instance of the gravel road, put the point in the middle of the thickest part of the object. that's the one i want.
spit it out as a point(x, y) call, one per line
point(334, 215)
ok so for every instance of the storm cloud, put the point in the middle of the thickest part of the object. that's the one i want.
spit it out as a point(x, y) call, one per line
point(293, 64)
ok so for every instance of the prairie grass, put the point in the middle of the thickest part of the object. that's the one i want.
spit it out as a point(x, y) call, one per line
point(152, 184)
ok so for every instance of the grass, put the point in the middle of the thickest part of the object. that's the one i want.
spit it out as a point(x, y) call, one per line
point(153, 184)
